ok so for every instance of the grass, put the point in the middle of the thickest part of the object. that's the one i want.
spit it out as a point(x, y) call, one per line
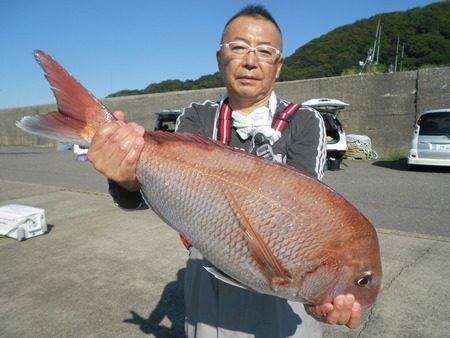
point(396, 154)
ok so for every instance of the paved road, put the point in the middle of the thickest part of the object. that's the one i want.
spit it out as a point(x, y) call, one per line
point(386, 192)
point(104, 272)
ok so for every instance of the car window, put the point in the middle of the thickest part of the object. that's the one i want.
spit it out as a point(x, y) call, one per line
point(435, 124)
point(166, 121)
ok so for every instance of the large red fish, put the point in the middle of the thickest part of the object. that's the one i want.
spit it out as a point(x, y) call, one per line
point(268, 226)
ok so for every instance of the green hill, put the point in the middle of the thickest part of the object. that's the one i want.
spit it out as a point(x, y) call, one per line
point(425, 33)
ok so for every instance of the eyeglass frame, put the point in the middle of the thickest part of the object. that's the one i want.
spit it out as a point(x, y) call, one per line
point(253, 49)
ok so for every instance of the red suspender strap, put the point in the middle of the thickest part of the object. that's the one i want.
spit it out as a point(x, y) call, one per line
point(282, 118)
point(225, 120)
point(185, 242)
point(225, 123)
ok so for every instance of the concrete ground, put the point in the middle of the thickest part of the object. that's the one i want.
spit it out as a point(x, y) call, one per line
point(101, 271)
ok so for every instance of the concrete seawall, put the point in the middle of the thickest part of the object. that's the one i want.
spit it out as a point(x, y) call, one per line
point(382, 106)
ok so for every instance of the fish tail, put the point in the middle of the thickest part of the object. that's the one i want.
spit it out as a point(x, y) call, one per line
point(79, 113)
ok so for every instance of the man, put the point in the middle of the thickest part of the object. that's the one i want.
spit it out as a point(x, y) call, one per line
point(250, 61)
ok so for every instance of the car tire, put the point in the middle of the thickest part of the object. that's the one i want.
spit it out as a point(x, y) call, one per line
point(338, 164)
point(334, 164)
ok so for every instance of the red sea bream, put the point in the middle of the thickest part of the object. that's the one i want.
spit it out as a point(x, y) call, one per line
point(268, 226)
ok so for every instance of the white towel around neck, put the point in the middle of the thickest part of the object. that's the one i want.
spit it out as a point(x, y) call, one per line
point(258, 121)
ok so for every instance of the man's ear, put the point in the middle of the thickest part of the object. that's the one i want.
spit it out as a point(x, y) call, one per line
point(279, 65)
point(219, 59)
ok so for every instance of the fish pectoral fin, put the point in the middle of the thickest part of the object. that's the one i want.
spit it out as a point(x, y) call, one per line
point(224, 278)
point(268, 264)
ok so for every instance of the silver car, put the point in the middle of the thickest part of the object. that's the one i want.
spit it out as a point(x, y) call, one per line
point(430, 144)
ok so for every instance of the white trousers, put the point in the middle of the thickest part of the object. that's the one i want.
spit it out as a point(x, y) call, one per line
point(217, 309)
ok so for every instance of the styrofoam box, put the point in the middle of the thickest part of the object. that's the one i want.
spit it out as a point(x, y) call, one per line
point(21, 221)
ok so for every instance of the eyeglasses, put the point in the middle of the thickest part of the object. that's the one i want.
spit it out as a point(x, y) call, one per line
point(263, 52)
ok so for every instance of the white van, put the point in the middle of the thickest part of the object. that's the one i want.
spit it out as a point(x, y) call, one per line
point(336, 138)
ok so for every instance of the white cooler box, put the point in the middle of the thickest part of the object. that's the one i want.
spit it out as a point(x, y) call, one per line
point(22, 222)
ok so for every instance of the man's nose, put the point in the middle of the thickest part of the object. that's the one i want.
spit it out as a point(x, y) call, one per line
point(250, 59)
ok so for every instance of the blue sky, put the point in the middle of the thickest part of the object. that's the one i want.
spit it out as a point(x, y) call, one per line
point(113, 45)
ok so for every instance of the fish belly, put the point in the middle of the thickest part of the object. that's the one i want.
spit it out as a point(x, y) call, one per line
point(195, 205)
point(193, 197)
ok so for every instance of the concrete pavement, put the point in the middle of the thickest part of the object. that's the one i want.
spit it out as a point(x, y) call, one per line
point(391, 196)
point(95, 269)
point(102, 271)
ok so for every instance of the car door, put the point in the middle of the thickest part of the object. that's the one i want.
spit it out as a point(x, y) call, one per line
point(434, 136)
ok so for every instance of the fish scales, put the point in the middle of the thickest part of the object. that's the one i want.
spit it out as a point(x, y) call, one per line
point(210, 223)
point(268, 226)
point(204, 217)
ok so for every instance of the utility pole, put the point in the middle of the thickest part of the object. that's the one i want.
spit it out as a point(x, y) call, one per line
point(401, 59)
point(374, 48)
point(379, 42)
point(396, 55)
point(375, 51)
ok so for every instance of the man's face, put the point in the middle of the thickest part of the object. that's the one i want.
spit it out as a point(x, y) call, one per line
point(247, 77)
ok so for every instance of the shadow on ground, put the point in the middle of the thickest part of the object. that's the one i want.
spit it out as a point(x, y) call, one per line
point(20, 153)
point(402, 165)
point(170, 305)
point(49, 229)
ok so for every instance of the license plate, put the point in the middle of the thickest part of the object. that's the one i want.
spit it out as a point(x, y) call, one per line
point(442, 146)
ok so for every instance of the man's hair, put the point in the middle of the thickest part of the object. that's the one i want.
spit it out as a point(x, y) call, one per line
point(254, 11)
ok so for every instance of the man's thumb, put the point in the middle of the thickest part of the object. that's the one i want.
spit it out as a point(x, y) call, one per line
point(120, 115)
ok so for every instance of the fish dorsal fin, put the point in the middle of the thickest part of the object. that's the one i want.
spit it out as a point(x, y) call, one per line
point(269, 265)
point(164, 136)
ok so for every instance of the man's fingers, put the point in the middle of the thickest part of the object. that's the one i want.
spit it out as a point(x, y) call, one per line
point(120, 115)
point(346, 310)
point(115, 150)
point(123, 138)
point(338, 304)
point(102, 135)
point(135, 152)
point(139, 129)
point(109, 156)
point(356, 316)
point(342, 310)
point(324, 309)
point(131, 146)
point(127, 168)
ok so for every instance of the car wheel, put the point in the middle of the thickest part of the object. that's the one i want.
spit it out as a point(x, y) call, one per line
point(338, 164)
point(334, 163)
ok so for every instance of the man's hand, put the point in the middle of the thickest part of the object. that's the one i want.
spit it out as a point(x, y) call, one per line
point(115, 150)
point(344, 311)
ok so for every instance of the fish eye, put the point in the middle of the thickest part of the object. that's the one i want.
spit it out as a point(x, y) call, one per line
point(365, 279)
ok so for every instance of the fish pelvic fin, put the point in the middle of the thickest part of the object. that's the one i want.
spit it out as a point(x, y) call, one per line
point(269, 265)
point(79, 113)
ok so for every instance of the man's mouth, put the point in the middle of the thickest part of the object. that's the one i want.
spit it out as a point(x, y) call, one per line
point(247, 78)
